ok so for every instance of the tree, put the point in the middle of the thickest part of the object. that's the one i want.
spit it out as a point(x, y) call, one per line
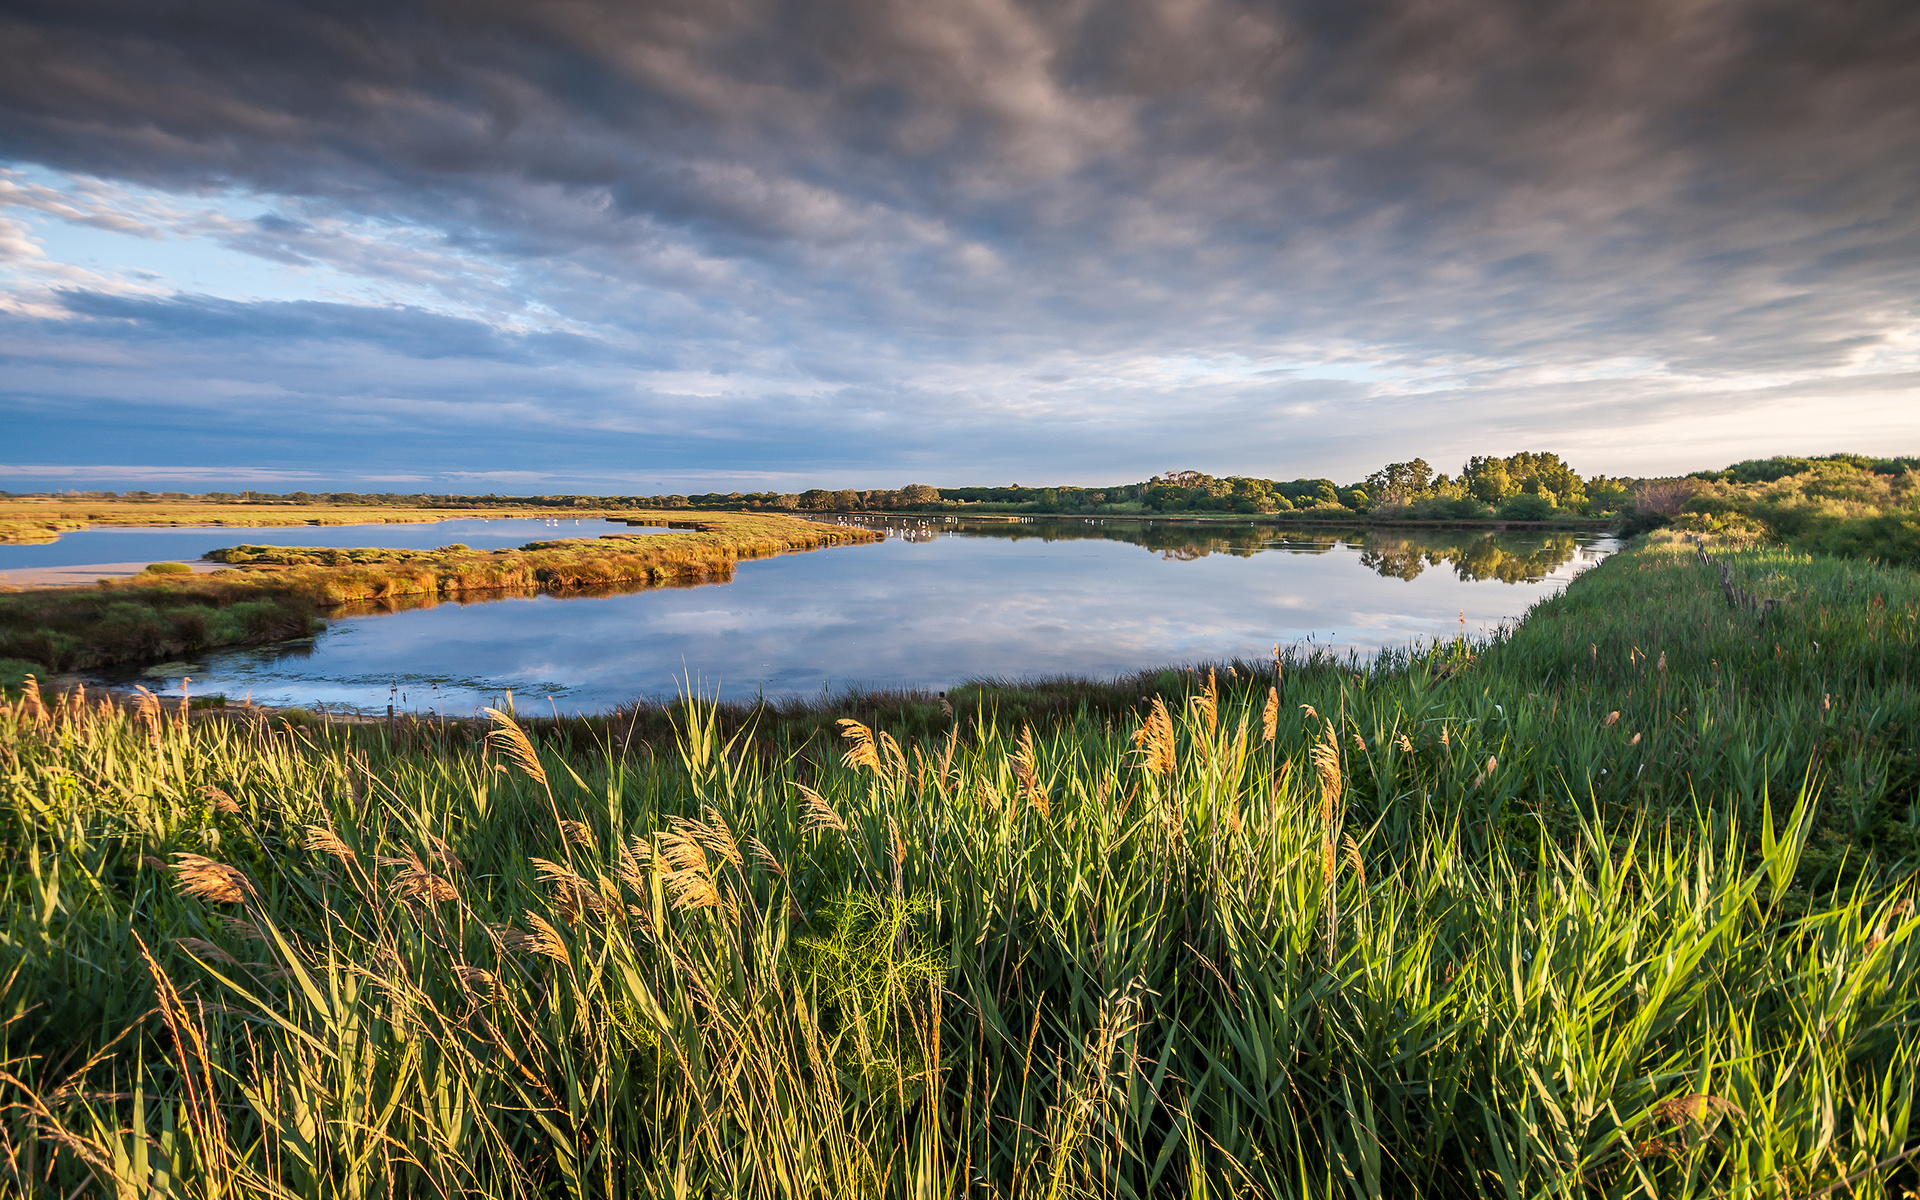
point(1487, 479)
point(918, 493)
point(1398, 483)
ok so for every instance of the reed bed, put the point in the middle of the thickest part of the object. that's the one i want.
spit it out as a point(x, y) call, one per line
point(1439, 926)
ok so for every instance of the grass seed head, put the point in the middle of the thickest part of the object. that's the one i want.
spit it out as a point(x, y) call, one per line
point(325, 841)
point(206, 879)
point(816, 814)
point(1270, 716)
point(861, 752)
point(508, 738)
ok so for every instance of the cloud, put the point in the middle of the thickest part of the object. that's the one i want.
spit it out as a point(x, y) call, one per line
point(980, 238)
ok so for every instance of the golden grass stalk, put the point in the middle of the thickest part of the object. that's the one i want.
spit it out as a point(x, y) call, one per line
point(816, 814)
point(577, 833)
point(1354, 860)
point(1486, 772)
point(146, 708)
point(1156, 737)
point(1208, 704)
point(222, 803)
point(33, 706)
point(1270, 716)
point(508, 738)
point(544, 939)
point(1022, 762)
point(688, 876)
point(325, 841)
point(861, 753)
point(572, 892)
point(206, 879)
point(417, 882)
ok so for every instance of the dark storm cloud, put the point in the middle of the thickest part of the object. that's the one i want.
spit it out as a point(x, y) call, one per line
point(924, 212)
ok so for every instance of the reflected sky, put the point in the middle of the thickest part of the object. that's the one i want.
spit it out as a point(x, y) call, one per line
point(926, 611)
point(86, 546)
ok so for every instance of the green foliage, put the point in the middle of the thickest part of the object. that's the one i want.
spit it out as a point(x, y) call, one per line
point(168, 568)
point(14, 671)
point(1527, 506)
point(870, 969)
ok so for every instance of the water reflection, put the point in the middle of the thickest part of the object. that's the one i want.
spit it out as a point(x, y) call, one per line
point(932, 606)
point(1510, 557)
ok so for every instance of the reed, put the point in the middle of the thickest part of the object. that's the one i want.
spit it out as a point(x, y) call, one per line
point(1011, 958)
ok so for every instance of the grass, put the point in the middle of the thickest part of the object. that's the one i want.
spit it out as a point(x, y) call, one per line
point(1441, 925)
point(276, 592)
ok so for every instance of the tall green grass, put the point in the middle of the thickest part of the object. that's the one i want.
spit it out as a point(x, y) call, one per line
point(1434, 926)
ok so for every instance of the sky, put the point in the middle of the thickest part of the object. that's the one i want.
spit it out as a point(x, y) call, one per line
point(535, 246)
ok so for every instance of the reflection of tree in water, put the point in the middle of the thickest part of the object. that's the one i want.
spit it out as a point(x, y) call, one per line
point(1510, 558)
point(1176, 542)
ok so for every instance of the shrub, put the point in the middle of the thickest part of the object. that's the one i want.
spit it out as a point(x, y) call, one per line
point(1450, 508)
point(1526, 507)
point(168, 568)
point(14, 672)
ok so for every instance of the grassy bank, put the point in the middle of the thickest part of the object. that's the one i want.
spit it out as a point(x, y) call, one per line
point(275, 592)
point(1443, 926)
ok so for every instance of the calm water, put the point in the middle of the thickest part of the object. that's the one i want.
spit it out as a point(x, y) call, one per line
point(930, 607)
point(87, 546)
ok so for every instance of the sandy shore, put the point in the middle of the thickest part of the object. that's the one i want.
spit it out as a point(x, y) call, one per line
point(84, 575)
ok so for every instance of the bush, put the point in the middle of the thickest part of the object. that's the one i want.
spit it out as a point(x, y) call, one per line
point(168, 568)
point(1526, 507)
point(1454, 508)
point(14, 672)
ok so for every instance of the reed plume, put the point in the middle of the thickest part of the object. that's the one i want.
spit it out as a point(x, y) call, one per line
point(146, 709)
point(33, 706)
point(1156, 737)
point(326, 841)
point(417, 882)
point(688, 876)
point(1022, 762)
point(508, 738)
point(206, 879)
point(816, 814)
point(1270, 716)
point(861, 752)
point(572, 891)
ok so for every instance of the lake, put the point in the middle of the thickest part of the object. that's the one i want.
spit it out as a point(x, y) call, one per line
point(936, 604)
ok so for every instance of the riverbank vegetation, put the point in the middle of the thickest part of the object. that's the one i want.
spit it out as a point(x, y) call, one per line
point(1844, 504)
point(1618, 902)
point(275, 593)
